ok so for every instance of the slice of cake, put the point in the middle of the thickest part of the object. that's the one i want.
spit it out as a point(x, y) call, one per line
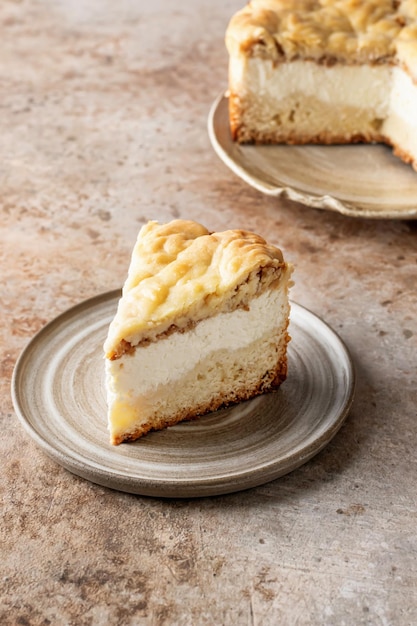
point(325, 71)
point(201, 324)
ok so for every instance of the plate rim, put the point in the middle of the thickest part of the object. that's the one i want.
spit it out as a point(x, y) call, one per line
point(311, 199)
point(178, 487)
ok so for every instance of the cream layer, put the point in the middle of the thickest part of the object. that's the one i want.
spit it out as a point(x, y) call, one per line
point(400, 126)
point(367, 86)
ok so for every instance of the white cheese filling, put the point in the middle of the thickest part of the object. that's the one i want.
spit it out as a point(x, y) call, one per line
point(363, 86)
point(401, 123)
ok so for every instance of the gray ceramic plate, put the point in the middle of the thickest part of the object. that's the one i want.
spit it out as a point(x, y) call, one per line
point(361, 181)
point(59, 395)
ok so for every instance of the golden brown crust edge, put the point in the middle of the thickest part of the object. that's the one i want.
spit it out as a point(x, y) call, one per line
point(371, 31)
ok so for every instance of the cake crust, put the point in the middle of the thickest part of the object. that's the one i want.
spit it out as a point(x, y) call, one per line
point(327, 31)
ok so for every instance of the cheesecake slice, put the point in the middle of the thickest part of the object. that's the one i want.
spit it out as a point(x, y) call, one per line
point(325, 72)
point(201, 324)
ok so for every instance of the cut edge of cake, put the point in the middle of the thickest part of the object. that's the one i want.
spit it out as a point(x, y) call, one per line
point(216, 333)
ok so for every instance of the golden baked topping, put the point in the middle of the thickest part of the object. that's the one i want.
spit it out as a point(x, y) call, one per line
point(356, 31)
point(179, 270)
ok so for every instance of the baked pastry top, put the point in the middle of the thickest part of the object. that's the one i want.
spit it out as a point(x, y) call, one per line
point(181, 272)
point(327, 31)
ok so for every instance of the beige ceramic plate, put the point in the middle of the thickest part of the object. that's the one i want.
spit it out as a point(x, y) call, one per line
point(362, 181)
point(59, 395)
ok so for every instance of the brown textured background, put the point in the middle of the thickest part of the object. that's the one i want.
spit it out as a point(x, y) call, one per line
point(103, 125)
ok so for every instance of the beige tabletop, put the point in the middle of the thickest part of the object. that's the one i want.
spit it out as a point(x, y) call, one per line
point(104, 109)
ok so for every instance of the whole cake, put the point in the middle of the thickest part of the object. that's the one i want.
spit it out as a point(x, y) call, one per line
point(325, 71)
point(201, 324)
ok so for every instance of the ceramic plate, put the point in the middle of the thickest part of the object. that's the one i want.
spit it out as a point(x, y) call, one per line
point(59, 395)
point(361, 181)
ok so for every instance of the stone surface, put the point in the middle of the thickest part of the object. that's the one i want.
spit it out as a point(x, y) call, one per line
point(103, 126)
